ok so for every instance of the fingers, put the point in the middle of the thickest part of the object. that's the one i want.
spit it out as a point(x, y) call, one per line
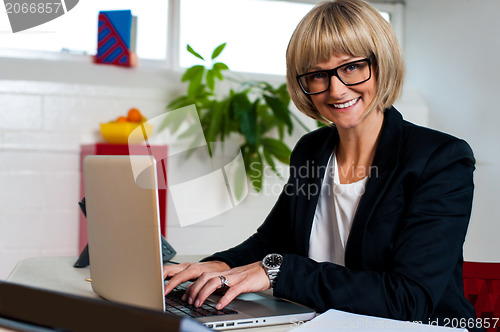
point(182, 272)
point(230, 295)
point(170, 270)
point(198, 291)
point(189, 271)
point(245, 279)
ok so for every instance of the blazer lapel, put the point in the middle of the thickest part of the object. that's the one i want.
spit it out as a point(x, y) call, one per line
point(384, 165)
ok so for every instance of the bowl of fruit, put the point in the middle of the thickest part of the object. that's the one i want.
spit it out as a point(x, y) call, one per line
point(132, 128)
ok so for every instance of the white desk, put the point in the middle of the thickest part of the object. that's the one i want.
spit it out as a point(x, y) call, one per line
point(58, 274)
point(53, 273)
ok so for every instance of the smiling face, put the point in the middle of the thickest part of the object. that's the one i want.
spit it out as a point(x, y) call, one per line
point(344, 27)
point(345, 106)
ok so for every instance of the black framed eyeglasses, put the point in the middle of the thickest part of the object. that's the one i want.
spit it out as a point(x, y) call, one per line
point(351, 73)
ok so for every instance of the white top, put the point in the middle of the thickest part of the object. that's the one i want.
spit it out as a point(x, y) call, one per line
point(334, 214)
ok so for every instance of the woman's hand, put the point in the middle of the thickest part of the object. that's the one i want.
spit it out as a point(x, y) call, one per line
point(183, 272)
point(243, 279)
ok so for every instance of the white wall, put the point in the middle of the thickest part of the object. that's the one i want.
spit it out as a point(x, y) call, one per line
point(452, 50)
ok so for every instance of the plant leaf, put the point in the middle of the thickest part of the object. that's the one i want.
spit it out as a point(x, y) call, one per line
point(266, 87)
point(193, 52)
point(220, 66)
point(254, 168)
point(192, 72)
point(281, 130)
point(280, 110)
point(218, 50)
point(277, 149)
point(246, 114)
point(270, 161)
point(210, 79)
point(217, 68)
point(179, 102)
point(239, 181)
point(282, 91)
point(228, 116)
point(195, 85)
point(214, 128)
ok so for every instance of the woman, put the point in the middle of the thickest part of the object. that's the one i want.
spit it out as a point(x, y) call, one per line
point(375, 212)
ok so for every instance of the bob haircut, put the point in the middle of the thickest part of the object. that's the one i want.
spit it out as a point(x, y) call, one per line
point(345, 27)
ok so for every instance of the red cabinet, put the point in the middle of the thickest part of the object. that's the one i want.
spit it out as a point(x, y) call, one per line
point(160, 154)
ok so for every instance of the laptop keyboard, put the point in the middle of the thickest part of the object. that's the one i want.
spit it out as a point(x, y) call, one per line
point(176, 306)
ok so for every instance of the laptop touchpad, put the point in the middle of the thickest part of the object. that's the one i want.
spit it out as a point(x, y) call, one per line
point(250, 297)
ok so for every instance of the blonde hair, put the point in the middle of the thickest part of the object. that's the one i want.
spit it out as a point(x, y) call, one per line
point(345, 27)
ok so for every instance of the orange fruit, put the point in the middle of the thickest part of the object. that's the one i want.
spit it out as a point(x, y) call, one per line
point(121, 119)
point(134, 115)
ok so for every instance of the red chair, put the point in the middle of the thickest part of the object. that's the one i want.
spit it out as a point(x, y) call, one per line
point(482, 289)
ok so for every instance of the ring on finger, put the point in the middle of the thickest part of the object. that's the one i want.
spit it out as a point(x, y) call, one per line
point(223, 281)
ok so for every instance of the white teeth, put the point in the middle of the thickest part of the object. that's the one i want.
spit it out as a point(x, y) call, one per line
point(349, 103)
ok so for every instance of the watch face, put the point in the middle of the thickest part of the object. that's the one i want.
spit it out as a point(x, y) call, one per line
point(273, 261)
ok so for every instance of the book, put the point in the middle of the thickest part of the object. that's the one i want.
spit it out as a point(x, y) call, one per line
point(116, 38)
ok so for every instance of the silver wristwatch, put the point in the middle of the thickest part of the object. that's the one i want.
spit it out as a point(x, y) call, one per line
point(272, 263)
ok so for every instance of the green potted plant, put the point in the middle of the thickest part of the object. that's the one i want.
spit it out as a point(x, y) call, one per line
point(255, 110)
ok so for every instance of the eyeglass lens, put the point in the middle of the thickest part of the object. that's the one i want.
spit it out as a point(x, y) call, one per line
point(350, 74)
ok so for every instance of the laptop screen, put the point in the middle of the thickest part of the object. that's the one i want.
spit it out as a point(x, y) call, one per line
point(123, 229)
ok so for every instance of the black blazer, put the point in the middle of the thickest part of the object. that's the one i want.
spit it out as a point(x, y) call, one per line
point(404, 252)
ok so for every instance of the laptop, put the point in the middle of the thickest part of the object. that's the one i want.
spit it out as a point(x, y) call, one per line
point(30, 309)
point(125, 247)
